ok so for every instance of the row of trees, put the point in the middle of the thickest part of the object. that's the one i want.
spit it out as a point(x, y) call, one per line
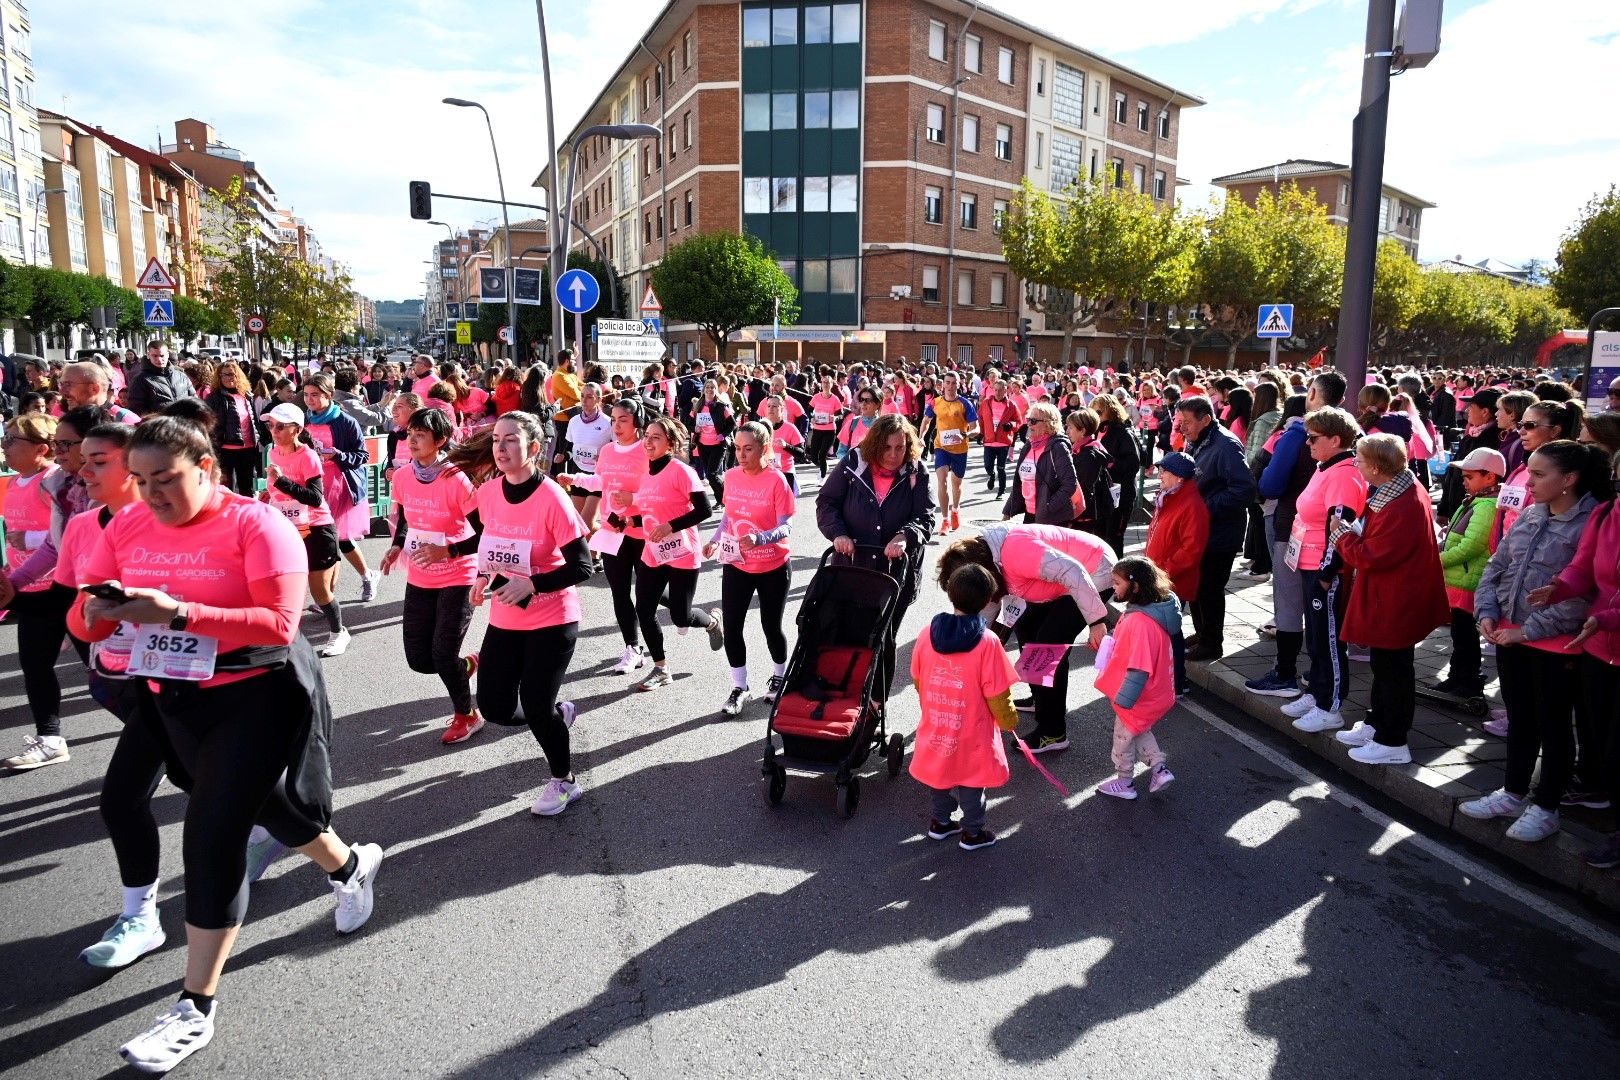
point(1099, 255)
point(42, 299)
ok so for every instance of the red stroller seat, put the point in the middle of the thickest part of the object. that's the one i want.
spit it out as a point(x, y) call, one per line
point(827, 706)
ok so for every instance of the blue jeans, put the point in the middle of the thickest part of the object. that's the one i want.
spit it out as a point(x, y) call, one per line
point(995, 466)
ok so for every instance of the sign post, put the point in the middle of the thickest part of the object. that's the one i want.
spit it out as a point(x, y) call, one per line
point(1275, 322)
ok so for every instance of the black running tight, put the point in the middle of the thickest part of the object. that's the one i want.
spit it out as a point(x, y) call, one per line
point(240, 469)
point(528, 666)
point(652, 584)
point(821, 444)
point(435, 622)
point(737, 589)
point(621, 570)
point(126, 801)
point(710, 457)
point(41, 629)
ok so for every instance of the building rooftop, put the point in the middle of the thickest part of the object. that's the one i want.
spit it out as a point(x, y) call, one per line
point(1301, 168)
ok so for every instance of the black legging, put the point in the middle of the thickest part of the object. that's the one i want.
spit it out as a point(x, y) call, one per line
point(1538, 688)
point(132, 776)
point(1054, 622)
point(240, 469)
point(41, 629)
point(1124, 508)
point(621, 570)
point(652, 584)
point(234, 742)
point(821, 444)
point(711, 458)
point(435, 622)
point(737, 589)
point(1599, 734)
point(528, 666)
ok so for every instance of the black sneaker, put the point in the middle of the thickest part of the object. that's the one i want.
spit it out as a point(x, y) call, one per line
point(1025, 704)
point(973, 841)
point(942, 830)
point(1592, 800)
point(1606, 855)
point(774, 688)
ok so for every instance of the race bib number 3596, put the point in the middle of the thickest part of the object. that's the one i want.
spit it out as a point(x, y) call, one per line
point(497, 555)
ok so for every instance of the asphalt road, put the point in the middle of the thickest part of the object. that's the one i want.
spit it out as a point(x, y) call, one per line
point(1247, 921)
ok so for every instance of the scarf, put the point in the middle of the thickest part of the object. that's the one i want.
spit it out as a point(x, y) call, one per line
point(1037, 447)
point(426, 474)
point(325, 416)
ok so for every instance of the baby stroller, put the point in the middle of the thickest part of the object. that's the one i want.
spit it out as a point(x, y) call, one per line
point(831, 713)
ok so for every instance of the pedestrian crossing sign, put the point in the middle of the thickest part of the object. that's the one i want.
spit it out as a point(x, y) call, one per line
point(1276, 321)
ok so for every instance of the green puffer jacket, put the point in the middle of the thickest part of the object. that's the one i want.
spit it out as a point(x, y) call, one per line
point(1468, 543)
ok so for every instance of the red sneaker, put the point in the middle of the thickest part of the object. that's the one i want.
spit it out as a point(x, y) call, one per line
point(956, 520)
point(471, 663)
point(462, 727)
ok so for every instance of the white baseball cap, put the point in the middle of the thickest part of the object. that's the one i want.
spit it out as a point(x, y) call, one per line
point(285, 413)
point(1484, 459)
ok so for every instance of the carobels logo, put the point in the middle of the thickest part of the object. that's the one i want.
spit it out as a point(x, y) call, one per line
point(147, 557)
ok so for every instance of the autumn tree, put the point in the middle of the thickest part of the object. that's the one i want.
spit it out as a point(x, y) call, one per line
point(1586, 278)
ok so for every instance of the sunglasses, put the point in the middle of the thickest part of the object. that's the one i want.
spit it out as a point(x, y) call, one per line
point(1530, 425)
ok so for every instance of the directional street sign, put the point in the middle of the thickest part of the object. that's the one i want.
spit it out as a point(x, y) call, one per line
point(642, 349)
point(1276, 321)
point(577, 291)
point(156, 277)
point(157, 312)
point(621, 327)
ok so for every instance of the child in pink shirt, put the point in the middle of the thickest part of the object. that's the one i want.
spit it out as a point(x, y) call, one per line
point(964, 681)
point(1137, 675)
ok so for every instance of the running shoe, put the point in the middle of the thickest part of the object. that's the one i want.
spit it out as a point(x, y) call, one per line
point(1497, 804)
point(943, 830)
point(774, 688)
point(177, 1034)
point(657, 678)
point(368, 586)
point(37, 751)
point(1376, 753)
point(1272, 684)
point(567, 712)
point(1269, 630)
point(1592, 800)
point(1161, 777)
point(1606, 855)
point(735, 701)
point(1049, 743)
point(717, 632)
point(354, 896)
point(555, 797)
point(1534, 824)
point(337, 644)
point(462, 727)
point(944, 524)
point(956, 523)
point(629, 660)
point(1119, 787)
point(126, 941)
point(1299, 706)
point(261, 854)
point(1319, 720)
point(973, 841)
point(1360, 735)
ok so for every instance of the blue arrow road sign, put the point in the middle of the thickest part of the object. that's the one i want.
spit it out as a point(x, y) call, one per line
point(1275, 321)
point(578, 292)
point(158, 312)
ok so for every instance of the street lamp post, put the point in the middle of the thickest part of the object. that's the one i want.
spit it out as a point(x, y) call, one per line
point(39, 197)
point(444, 300)
point(551, 174)
point(500, 181)
point(608, 131)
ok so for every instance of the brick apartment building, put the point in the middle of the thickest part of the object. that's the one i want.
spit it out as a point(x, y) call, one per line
point(1400, 215)
point(832, 132)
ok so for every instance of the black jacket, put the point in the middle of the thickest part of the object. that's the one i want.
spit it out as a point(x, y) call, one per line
point(847, 505)
point(154, 388)
point(1054, 485)
point(228, 419)
point(1452, 494)
point(1226, 484)
point(1120, 442)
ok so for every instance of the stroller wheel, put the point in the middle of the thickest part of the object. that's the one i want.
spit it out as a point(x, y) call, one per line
point(774, 785)
point(895, 754)
point(849, 797)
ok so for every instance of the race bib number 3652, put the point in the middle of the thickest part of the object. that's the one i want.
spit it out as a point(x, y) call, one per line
point(161, 653)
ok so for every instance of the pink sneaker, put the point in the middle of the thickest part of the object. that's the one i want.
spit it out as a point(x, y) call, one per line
point(1498, 723)
point(1119, 788)
point(1161, 776)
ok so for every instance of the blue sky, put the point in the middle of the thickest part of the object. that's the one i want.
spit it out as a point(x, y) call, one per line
point(340, 103)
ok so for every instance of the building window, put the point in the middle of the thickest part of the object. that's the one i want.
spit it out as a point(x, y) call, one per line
point(785, 26)
point(756, 112)
point(660, 221)
point(1004, 142)
point(1096, 97)
point(930, 288)
point(686, 130)
point(1119, 108)
point(933, 205)
point(815, 275)
point(964, 355)
point(1040, 149)
point(970, 133)
point(1117, 167)
point(970, 211)
point(1065, 160)
point(784, 112)
point(817, 109)
point(844, 199)
point(1069, 96)
point(11, 233)
point(1107, 356)
point(1344, 194)
point(841, 276)
point(846, 24)
point(1040, 78)
point(646, 229)
point(1094, 160)
point(964, 288)
point(998, 290)
point(1159, 181)
point(686, 51)
point(757, 195)
point(818, 26)
point(109, 209)
point(1138, 178)
point(935, 123)
point(674, 219)
point(646, 161)
point(815, 194)
point(973, 53)
point(846, 109)
point(998, 214)
point(756, 28)
point(785, 198)
point(936, 40)
point(930, 354)
point(1141, 116)
point(1004, 66)
point(671, 67)
point(1164, 123)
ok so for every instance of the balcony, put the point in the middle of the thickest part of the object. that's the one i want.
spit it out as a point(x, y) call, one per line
point(11, 199)
point(8, 148)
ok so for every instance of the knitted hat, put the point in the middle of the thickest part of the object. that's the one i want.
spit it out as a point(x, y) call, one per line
point(1183, 465)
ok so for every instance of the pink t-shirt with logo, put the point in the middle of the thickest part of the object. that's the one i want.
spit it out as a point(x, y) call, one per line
point(824, 410)
point(420, 387)
point(543, 524)
point(28, 512)
point(758, 504)
point(436, 513)
point(79, 540)
point(1027, 470)
point(707, 434)
point(957, 743)
point(300, 465)
point(621, 467)
point(662, 499)
point(786, 435)
point(790, 409)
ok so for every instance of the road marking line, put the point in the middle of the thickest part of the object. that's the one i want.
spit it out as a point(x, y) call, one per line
point(1395, 830)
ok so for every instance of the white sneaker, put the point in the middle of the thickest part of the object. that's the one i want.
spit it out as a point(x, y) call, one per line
point(735, 701)
point(1319, 720)
point(568, 712)
point(555, 797)
point(1497, 804)
point(1360, 735)
point(632, 658)
point(128, 939)
point(368, 586)
point(1376, 753)
point(177, 1034)
point(37, 751)
point(1534, 824)
point(337, 644)
point(1299, 706)
point(355, 895)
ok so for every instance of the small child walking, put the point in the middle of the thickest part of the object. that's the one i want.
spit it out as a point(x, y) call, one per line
point(964, 681)
point(1137, 675)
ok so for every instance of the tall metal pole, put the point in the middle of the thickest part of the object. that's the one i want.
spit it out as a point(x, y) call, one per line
point(952, 210)
point(1366, 188)
point(559, 255)
point(506, 220)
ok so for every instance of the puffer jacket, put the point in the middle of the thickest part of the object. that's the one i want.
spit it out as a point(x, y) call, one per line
point(1227, 486)
point(1055, 484)
point(1468, 545)
point(156, 387)
point(1535, 550)
point(848, 505)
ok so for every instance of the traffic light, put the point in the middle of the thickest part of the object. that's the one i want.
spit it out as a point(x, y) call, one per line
point(1021, 338)
point(421, 200)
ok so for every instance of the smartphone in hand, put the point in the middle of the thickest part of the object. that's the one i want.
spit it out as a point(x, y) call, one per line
point(106, 590)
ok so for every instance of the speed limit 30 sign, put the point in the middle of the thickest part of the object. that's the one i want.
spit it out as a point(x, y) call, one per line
point(255, 324)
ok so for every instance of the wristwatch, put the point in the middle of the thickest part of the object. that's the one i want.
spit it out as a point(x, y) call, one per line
point(181, 617)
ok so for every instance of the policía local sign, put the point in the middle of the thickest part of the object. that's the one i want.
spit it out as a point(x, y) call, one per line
point(641, 349)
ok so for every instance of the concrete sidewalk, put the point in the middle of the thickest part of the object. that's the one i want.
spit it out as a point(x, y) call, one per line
point(1453, 757)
